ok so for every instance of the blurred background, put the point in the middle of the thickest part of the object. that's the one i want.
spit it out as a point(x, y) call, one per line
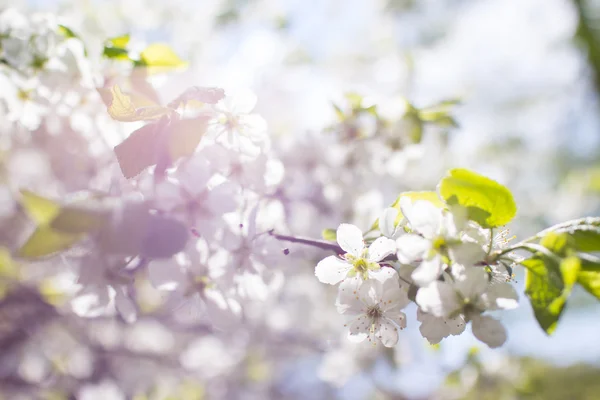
point(526, 74)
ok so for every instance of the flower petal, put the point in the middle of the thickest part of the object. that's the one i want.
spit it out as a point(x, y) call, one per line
point(501, 296)
point(125, 305)
point(423, 216)
point(358, 329)
point(166, 274)
point(381, 248)
point(467, 253)
point(224, 313)
point(350, 239)
point(428, 271)
point(332, 270)
point(388, 332)
point(473, 283)
point(412, 248)
point(456, 324)
point(348, 299)
point(489, 330)
point(433, 328)
point(370, 292)
point(387, 221)
point(439, 299)
point(394, 296)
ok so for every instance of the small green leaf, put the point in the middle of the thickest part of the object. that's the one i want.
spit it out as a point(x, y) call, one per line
point(45, 241)
point(329, 234)
point(120, 41)
point(67, 32)
point(159, 57)
point(116, 48)
point(40, 209)
point(489, 203)
point(116, 53)
point(80, 218)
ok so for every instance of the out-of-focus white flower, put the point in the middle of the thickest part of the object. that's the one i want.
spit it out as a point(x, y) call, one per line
point(375, 307)
point(101, 391)
point(22, 100)
point(359, 261)
point(241, 128)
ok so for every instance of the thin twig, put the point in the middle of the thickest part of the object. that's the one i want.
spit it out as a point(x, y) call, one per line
point(321, 244)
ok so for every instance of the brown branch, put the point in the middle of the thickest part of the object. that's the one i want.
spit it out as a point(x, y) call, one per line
point(321, 244)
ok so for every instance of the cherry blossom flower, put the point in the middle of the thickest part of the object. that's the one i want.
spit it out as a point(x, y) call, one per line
point(471, 294)
point(375, 308)
point(435, 237)
point(241, 128)
point(358, 261)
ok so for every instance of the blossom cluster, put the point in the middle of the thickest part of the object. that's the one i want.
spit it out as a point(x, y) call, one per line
point(439, 257)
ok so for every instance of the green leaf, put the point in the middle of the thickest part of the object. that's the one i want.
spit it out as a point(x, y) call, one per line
point(120, 41)
point(584, 233)
point(589, 275)
point(550, 277)
point(543, 287)
point(116, 48)
point(159, 57)
point(46, 241)
point(558, 243)
point(40, 209)
point(488, 202)
point(329, 234)
point(67, 32)
point(8, 268)
point(115, 53)
point(80, 218)
point(58, 227)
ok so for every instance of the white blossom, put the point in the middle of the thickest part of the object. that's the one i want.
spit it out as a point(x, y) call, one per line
point(375, 308)
point(359, 260)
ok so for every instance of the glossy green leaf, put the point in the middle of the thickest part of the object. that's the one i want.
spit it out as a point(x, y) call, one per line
point(488, 202)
